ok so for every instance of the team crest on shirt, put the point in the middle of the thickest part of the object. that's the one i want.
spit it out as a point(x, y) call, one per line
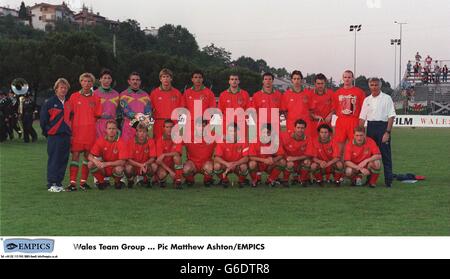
point(240, 101)
point(91, 104)
point(330, 150)
point(305, 99)
point(202, 97)
point(239, 150)
point(366, 151)
point(115, 151)
point(146, 150)
point(303, 147)
point(174, 98)
point(276, 100)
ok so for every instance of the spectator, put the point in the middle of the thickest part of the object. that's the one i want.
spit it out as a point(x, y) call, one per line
point(418, 57)
point(408, 68)
point(416, 70)
point(437, 72)
point(428, 61)
point(444, 73)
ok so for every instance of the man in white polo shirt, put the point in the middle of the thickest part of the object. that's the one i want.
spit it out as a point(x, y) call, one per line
point(379, 112)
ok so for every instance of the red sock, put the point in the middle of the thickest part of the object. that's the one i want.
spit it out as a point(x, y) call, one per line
point(178, 174)
point(286, 175)
point(318, 176)
point(328, 172)
point(73, 172)
point(100, 177)
point(84, 172)
point(254, 176)
point(224, 178)
point(207, 177)
point(190, 178)
point(241, 178)
point(274, 174)
point(337, 176)
point(304, 175)
point(373, 178)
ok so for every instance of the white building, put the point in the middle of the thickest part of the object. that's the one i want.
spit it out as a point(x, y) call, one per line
point(152, 31)
point(4, 11)
point(44, 16)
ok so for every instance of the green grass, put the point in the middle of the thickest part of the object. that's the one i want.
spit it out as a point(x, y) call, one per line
point(405, 210)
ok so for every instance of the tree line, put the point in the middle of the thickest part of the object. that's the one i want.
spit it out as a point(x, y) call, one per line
point(68, 50)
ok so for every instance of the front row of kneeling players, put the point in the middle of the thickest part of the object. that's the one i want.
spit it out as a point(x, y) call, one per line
point(295, 156)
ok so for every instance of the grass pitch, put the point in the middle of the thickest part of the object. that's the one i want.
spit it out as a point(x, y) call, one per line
point(420, 209)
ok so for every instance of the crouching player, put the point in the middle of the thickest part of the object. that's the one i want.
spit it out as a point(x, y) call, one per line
point(326, 157)
point(142, 156)
point(272, 161)
point(199, 156)
point(297, 153)
point(362, 157)
point(231, 156)
point(107, 157)
point(169, 157)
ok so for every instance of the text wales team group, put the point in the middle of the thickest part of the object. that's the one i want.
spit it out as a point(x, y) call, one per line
point(308, 151)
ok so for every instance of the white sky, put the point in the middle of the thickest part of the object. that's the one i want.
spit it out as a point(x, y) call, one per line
point(310, 35)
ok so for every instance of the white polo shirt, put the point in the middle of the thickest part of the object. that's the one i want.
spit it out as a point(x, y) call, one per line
point(379, 108)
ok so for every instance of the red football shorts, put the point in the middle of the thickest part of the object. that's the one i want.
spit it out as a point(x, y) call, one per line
point(345, 129)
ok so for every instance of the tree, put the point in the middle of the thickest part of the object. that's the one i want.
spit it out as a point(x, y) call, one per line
point(247, 62)
point(219, 54)
point(23, 13)
point(176, 40)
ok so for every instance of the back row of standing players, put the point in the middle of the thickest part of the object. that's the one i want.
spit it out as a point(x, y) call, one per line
point(307, 147)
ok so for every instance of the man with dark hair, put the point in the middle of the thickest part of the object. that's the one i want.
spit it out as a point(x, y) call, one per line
point(109, 99)
point(199, 156)
point(267, 98)
point(28, 109)
point(295, 102)
point(198, 92)
point(141, 157)
point(233, 98)
point(135, 103)
point(321, 104)
point(169, 157)
point(297, 153)
point(266, 155)
point(326, 158)
point(231, 156)
point(362, 157)
point(108, 157)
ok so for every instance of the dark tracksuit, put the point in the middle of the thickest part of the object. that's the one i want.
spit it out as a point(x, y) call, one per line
point(58, 135)
point(28, 108)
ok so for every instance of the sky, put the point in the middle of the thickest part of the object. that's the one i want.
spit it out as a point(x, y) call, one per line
point(308, 35)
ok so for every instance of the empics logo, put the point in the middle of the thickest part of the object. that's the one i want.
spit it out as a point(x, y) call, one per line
point(24, 245)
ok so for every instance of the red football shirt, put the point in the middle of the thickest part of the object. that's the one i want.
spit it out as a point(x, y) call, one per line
point(297, 105)
point(357, 154)
point(348, 102)
point(200, 153)
point(164, 102)
point(325, 151)
point(166, 145)
point(205, 95)
point(141, 153)
point(236, 100)
point(110, 151)
point(81, 112)
point(232, 152)
point(266, 100)
point(296, 147)
point(255, 150)
point(322, 104)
